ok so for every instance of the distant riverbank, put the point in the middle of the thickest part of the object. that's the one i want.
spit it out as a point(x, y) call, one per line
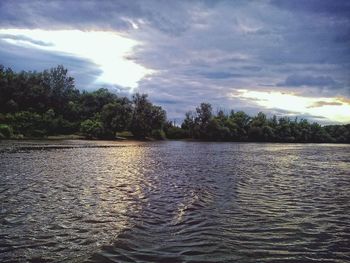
point(80, 138)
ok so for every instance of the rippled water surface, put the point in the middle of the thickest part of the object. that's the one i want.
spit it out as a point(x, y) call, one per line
point(77, 201)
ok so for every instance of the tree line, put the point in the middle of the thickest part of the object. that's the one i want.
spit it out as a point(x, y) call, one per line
point(40, 104)
point(237, 126)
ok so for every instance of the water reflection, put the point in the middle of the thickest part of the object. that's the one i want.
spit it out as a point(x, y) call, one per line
point(62, 203)
point(175, 202)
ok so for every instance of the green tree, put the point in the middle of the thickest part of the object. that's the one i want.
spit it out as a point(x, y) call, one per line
point(92, 129)
point(116, 117)
point(241, 120)
point(202, 120)
point(146, 117)
point(189, 124)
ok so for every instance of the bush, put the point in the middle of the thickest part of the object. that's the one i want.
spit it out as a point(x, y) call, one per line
point(158, 134)
point(25, 122)
point(176, 133)
point(5, 131)
point(65, 127)
point(92, 129)
point(38, 133)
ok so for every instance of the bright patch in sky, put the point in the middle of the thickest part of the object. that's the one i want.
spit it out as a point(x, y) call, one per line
point(106, 49)
point(336, 109)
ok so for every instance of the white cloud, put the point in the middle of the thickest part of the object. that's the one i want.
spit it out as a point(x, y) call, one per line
point(108, 50)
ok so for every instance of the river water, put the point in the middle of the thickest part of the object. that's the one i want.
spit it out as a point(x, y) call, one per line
point(77, 201)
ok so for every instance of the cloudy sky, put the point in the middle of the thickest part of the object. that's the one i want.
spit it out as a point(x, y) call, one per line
point(282, 57)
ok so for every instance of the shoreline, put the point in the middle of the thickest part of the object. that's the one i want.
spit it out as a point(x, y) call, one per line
point(77, 138)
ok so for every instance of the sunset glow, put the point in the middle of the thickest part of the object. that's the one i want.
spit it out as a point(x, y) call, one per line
point(108, 50)
point(331, 108)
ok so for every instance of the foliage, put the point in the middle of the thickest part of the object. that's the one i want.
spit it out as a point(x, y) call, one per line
point(205, 125)
point(146, 117)
point(174, 132)
point(158, 134)
point(27, 123)
point(116, 116)
point(92, 129)
point(5, 131)
point(47, 103)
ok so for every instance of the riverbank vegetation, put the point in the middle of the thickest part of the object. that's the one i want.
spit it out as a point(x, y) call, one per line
point(238, 126)
point(41, 104)
point(38, 104)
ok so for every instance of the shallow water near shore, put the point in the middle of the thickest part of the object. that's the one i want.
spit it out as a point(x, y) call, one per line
point(100, 201)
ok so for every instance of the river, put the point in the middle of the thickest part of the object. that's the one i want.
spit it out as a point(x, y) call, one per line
point(99, 201)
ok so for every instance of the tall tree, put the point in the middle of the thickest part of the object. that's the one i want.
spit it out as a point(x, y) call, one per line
point(145, 117)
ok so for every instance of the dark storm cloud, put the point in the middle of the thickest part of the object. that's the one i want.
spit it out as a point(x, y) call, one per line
point(221, 75)
point(168, 16)
point(306, 80)
point(338, 8)
point(315, 86)
point(206, 50)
